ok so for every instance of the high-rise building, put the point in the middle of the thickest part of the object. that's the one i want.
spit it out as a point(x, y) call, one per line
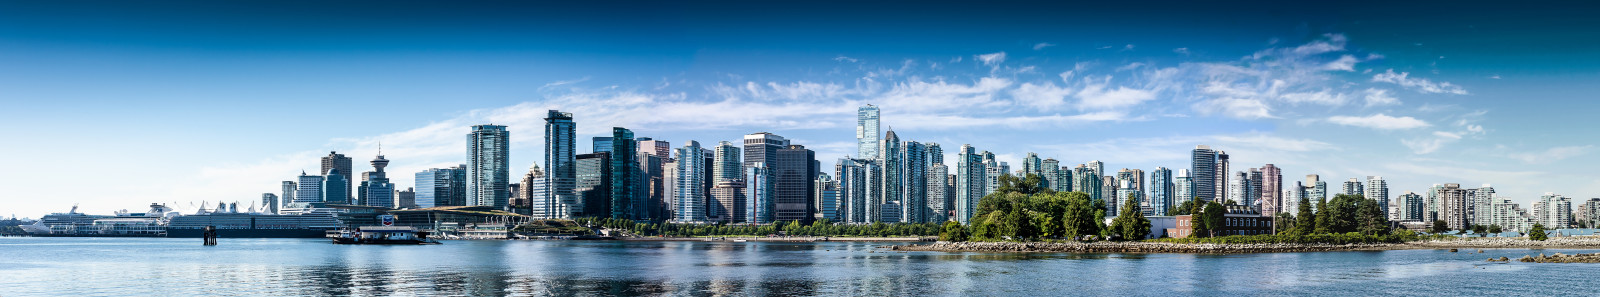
point(969, 182)
point(1272, 198)
point(593, 185)
point(1252, 188)
point(727, 202)
point(891, 156)
point(1411, 207)
point(1108, 188)
point(653, 156)
point(1237, 187)
point(1452, 200)
point(1032, 165)
point(1316, 189)
point(602, 144)
point(761, 148)
point(1353, 187)
point(1556, 212)
point(1051, 176)
point(560, 161)
point(689, 184)
point(853, 189)
point(1182, 188)
point(441, 187)
point(1377, 189)
point(1484, 200)
point(1204, 173)
point(1125, 190)
point(658, 148)
point(488, 166)
point(333, 186)
point(289, 189)
point(991, 173)
point(938, 189)
point(335, 160)
point(626, 202)
point(376, 190)
point(1089, 179)
point(1291, 198)
point(793, 177)
point(726, 164)
point(867, 120)
point(1511, 217)
point(1161, 191)
point(914, 182)
point(828, 203)
point(533, 189)
point(270, 201)
point(759, 193)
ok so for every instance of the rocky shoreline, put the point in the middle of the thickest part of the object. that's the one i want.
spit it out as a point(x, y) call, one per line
point(1164, 247)
point(1557, 258)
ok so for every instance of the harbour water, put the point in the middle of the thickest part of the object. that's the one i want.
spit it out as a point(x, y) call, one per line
point(300, 267)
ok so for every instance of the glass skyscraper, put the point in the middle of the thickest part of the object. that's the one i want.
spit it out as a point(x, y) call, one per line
point(969, 182)
point(625, 203)
point(914, 182)
point(893, 182)
point(689, 184)
point(1161, 191)
point(441, 187)
point(560, 160)
point(1204, 174)
point(867, 118)
point(489, 166)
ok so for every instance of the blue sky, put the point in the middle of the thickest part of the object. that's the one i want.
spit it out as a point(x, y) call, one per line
point(118, 104)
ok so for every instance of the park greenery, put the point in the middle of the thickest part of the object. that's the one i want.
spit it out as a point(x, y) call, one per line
point(1024, 209)
point(790, 228)
point(1537, 233)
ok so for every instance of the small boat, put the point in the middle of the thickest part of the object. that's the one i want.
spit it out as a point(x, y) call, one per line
point(383, 235)
point(739, 240)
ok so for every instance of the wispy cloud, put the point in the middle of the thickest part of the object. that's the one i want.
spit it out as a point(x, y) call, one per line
point(992, 59)
point(1380, 121)
point(845, 59)
point(1042, 45)
point(1552, 154)
point(1420, 84)
point(1181, 51)
point(1377, 97)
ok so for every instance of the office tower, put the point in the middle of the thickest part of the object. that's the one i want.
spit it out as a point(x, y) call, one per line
point(793, 178)
point(1126, 190)
point(669, 178)
point(270, 201)
point(1088, 179)
point(1272, 191)
point(1411, 207)
point(1353, 187)
point(602, 144)
point(891, 157)
point(1236, 187)
point(950, 197)
point(1252, 188)
point(593, 184)
point(1222, 174)
point(653, 156)
point(1182, 187)
point(442, 187)
point(852, 189)
point(376, 190)
point(335, 160)
point(1291, 198)
point(727, 165)
point(658, 148)
point(1377, 189)
point(969, 182)
point(1203, 171)
point(761, 148)
point(1051, 176)
point(708, 171)
point(333, 186)
point(488, 166)
point(1316, 189)
point(914, 182)
point(1484, 201)
point(938, 187)
point(1161, 191)
point(1108, 192)
point(828, 199)
point(1032, 165)
point(689, 184)
point(727, 202)
point(405, 198)
point(533, 188)
point(758, 193)
point(560, 161)
point(1556, 212)
point(289, 189)
point(624, 176)
point(867, 132)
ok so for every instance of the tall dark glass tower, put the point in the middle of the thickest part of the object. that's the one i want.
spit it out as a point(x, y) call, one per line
point(489, 166)
point(1204, 174)
point(560, 157)
point(625, 176)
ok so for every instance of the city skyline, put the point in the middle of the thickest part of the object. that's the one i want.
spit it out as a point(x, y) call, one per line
point(1332, 97)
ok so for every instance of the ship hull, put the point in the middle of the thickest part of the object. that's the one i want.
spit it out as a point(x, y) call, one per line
point(250, 233)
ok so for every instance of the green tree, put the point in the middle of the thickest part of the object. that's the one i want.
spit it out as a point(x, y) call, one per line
point(1283, 223)
point(1197, 219)
point(1479, 229)
point(1019, 222)
point(1130, 223)
point(1370, 217)
point(1306, 221)
point(1078, 217)
point(1215, 217)
point(1323, 217)
point(953, 232)
point(1537, 233)
point(1439, 226)
point(1495, 229)
point(1182, 209)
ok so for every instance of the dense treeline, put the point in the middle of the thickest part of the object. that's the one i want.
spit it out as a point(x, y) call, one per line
point(1344, 238)
point(1343, 214)
point(792, 228)
point(1021, 209)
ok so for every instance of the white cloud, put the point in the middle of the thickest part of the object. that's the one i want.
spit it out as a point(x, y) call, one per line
point(565, 82)
point(1100, 96)
point(1380, 122)
point(1332, 43)
point(1420, 84)
point(1377, 97)
point(1130, 66)
point(1235, 108)
point(1426, 145)
point(1324, 97)
point(1181, 50)
point(845, 59)
point(992, 59)
point(1042, 45)
point(1345, 63)
point(1552, 154)
point(1044, 96)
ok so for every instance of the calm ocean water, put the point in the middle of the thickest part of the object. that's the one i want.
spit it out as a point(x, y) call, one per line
point(298, 267)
